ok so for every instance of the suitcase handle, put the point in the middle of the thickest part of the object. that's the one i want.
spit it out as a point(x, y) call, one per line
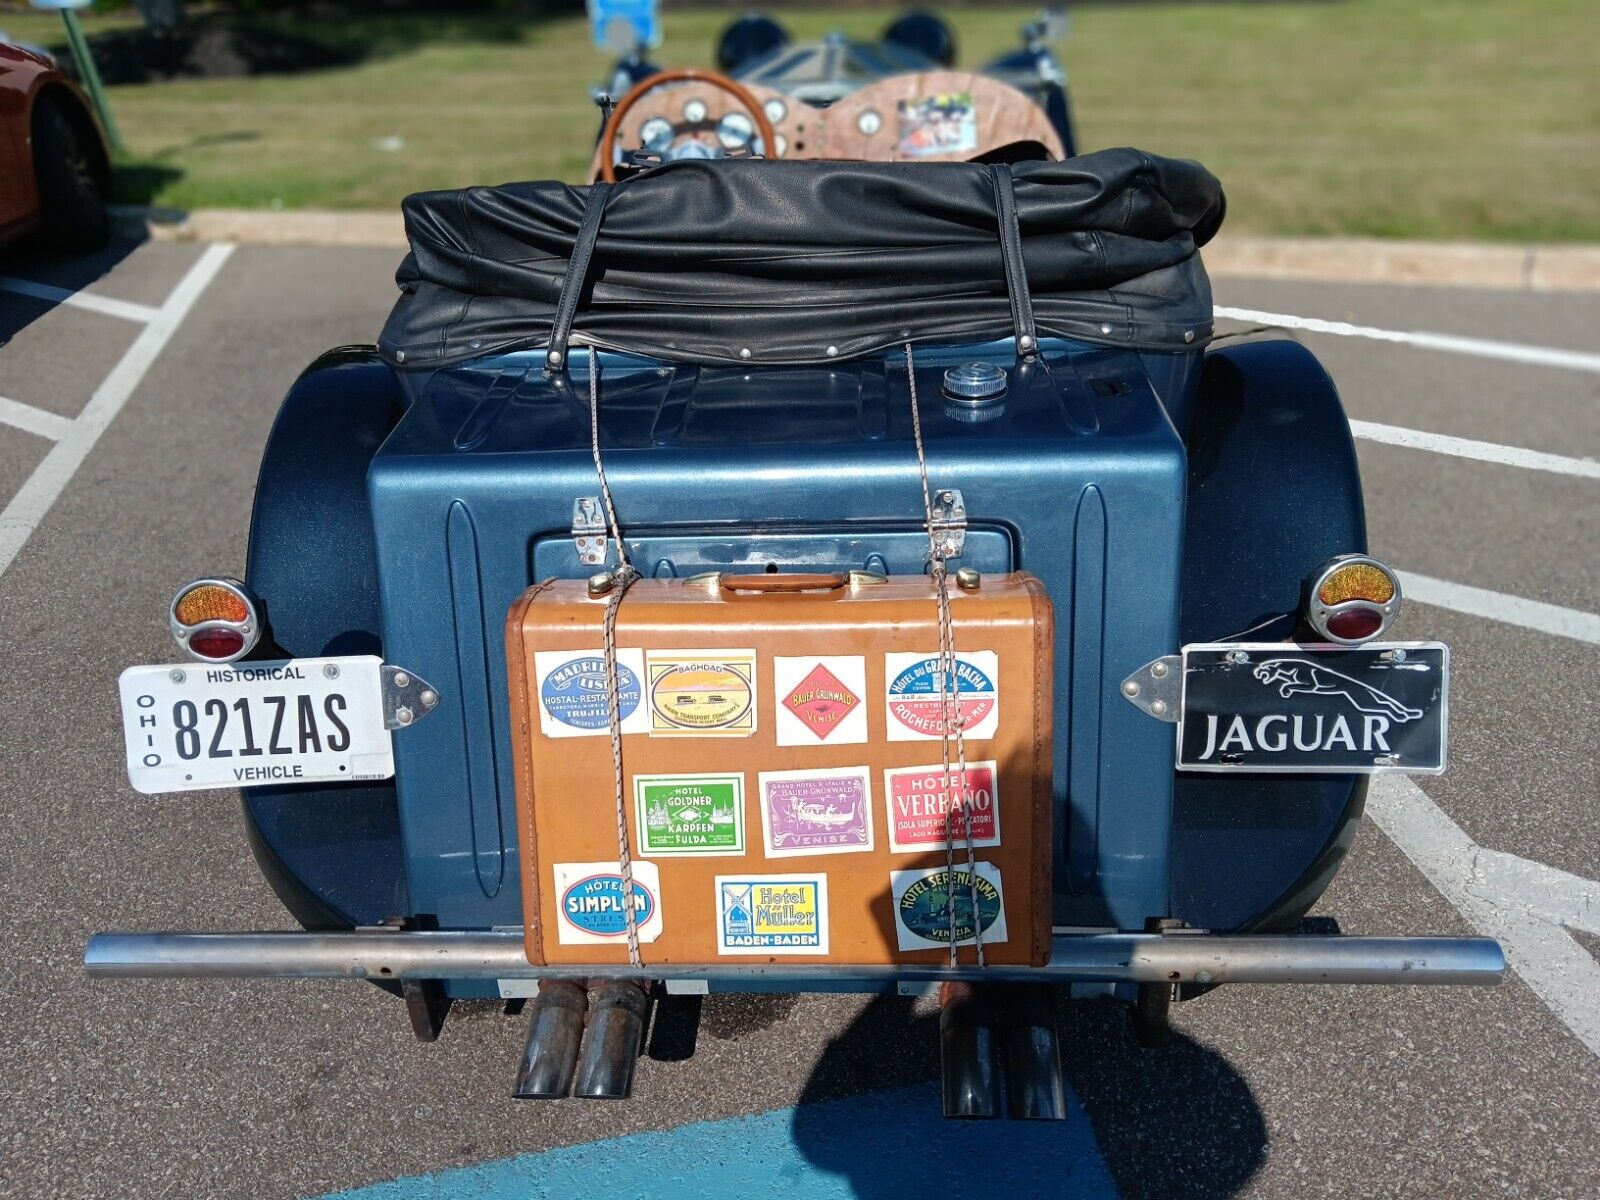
point(775, 582)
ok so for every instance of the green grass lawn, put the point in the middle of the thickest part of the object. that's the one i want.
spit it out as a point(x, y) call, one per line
point(1445, 119)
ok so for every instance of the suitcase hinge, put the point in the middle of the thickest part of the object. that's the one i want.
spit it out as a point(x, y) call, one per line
point(589, 530)
point(950, 521)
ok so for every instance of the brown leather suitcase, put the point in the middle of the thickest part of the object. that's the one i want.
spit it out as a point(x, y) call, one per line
point(783, 765)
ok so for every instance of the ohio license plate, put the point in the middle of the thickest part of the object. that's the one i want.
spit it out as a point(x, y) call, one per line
point(1276, 706)
point(189, 726)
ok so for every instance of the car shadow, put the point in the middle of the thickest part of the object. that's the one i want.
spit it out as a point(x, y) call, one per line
point(34, 263)
point(1175, 1121)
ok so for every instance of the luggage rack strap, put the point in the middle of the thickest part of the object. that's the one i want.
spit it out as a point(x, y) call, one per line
point(500, 954)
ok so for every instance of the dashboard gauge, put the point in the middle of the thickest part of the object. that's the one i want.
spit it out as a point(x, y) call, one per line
point(776, 110)
point(656, 134)
point(735, 130)
point(869, 122)
point(694, 111)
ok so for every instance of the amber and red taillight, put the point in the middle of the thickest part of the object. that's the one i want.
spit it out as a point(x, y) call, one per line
point(216, 620)
point(1351, 599)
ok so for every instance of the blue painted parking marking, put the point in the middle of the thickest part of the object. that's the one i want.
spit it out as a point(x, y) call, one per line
point(880, 1144)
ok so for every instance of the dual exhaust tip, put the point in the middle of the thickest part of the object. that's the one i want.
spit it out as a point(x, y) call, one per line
point(981, 1024)
point(580, 1046)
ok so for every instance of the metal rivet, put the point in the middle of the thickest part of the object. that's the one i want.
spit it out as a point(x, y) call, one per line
point(1202, 976)
point(1158, 708)
point(968, 579)
point(404, 715)
point(429, 697)
point(1158, 670)
point(401, 679)
point(553, 358)
point(1188, 335)
point(1105, 329)
point(1025, 341)
point(1131, 688)
point(477, 343)
point(745, 353)
point(833, 351)
point(331, 670)
point(399, 356)
point(1239, 656)
point(602, 583)
point(177, 676)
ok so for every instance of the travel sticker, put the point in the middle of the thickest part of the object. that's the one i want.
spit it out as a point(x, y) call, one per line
point(922, 906)
point(572, 692)
point(689, 814)
point(822, 811)
point(589, 903)
point(919, 800)
point(915, 708)
point(820, 700)
point(702, 693)
point(772, 914)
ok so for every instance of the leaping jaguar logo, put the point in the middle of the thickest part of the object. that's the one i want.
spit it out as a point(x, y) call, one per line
point(1301, 677)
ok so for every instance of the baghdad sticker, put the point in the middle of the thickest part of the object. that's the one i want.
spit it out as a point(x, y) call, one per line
point(922, 906)
point(589, 903)
point(920, 798)
point(820, 700)
point(915, 707)
point(572, 692)
point(772, 914)
point(702, 693)
point(689, 814)
point(824, 811)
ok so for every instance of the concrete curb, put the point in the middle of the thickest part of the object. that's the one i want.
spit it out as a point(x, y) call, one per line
point(1323, 260)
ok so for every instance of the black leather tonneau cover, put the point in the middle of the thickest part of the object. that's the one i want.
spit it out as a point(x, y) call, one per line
point(749, 261)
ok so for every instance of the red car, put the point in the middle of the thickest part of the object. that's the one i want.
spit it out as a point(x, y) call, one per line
point(55, 171)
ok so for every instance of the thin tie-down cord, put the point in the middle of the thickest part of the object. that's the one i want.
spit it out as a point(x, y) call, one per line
point(951, 718)
point(623, 578)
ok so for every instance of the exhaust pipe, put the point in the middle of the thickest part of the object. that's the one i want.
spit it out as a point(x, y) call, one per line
point(1034, 1091)
point(968, 1052)
point(554, 1032)
point(611, 1046)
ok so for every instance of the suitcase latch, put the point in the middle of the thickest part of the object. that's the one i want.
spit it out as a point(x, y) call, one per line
point(589, 530)
point(950, 521)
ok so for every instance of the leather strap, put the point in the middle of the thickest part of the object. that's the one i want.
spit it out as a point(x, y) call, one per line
point(1005, 205)
point(577, 276)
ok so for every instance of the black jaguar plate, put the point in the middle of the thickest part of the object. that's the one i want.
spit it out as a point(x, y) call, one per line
point(1316, 708)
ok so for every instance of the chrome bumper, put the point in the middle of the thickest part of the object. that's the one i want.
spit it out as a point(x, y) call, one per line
point(1109, 957)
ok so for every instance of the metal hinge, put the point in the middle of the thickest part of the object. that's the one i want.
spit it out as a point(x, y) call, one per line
point(1157, 687)
point(950, 521)
point(407, 697)
point(589, 530)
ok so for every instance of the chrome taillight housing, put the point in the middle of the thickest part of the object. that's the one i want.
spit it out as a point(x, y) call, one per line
point(215, 620)
point(1351, 599)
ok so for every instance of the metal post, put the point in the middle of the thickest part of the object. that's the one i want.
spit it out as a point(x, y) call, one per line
point(91, 78)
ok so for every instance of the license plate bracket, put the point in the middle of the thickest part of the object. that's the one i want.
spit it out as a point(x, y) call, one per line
point(1314, 709)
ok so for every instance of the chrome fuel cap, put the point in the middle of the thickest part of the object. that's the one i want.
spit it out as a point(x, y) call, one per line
point(975, 383)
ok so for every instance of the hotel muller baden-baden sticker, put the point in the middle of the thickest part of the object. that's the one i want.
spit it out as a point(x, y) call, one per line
point(701, 693)
point(572, 692)
point(772, 914)
point(820, 701)
point(916, 708)
point(689, 814)
point(823, 811)
point(589, 903)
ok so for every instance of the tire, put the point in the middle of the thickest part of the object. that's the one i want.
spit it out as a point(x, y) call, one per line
point(72, 193)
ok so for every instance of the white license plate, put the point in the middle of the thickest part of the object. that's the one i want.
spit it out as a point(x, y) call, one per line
point(304, 720)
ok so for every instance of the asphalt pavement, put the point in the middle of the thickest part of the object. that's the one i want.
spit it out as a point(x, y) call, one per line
point(127, 462)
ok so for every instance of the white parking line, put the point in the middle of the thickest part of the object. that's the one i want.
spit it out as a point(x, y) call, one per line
point(33, 500)
point(1522, 904)
point(1497, 606)
point(33, 420)
point(1540, 356)
point(1511, 456)
point(125, 309)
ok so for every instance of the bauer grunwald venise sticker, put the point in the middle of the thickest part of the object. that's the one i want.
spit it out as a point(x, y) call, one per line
point(702, 693)
point(915, 705)
point(921, 901)
point(589, 903)
point(827, 810)
point(572, 692)
point(820, 700)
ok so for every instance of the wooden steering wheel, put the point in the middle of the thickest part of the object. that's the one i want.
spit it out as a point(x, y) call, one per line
point(608, 138)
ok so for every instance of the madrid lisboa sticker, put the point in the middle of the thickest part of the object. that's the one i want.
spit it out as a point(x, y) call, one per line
point(589, 903)
point(702, 693)
point(922, 906)
point(915, 704)
point(572, 692)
